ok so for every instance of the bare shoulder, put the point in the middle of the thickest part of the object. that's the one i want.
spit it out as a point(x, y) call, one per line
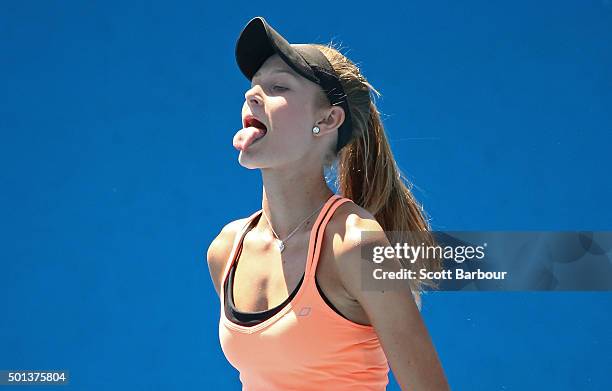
point(220, 248)
point(350, 229)
point(347, 227)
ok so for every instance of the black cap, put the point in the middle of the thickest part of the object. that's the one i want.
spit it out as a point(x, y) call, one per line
point(258, 41)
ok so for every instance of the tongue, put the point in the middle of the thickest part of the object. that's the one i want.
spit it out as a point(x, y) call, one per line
point(245, 137)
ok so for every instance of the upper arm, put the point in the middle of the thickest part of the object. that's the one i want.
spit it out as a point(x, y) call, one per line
point(219, 251)
point(391, 308)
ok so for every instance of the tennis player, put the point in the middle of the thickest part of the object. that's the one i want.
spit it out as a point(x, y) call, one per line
point(294, 314)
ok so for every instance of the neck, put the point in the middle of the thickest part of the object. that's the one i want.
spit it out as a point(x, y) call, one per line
point(290, 196)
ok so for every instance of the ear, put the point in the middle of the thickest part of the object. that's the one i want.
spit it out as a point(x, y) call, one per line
point(333, 118)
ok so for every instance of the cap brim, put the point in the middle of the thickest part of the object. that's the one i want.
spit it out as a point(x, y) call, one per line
point(258, 41)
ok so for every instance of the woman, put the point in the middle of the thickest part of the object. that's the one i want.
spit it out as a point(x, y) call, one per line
point(294, 315)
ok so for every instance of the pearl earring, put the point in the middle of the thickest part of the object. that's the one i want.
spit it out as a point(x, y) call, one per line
point(316, 130)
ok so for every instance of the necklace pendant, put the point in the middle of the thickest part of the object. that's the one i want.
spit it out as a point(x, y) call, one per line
point(281, 245)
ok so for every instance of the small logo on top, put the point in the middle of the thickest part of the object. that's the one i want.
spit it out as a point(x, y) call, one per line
point(304, 311)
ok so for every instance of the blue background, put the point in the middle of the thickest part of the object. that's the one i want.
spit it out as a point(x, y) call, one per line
point(117, 171)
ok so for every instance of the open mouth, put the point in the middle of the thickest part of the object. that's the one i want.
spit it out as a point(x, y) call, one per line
point(252, 131)
point(251, 121)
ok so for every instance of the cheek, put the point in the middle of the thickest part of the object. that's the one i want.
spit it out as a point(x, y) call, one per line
point(292, 123)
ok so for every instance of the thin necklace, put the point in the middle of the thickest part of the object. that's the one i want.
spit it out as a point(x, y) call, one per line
point(281, 242)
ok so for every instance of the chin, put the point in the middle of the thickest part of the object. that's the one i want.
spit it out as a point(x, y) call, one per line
point(249, 160)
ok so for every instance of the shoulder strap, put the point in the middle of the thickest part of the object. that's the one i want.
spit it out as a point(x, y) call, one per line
point(239, 236)
point(317, 239)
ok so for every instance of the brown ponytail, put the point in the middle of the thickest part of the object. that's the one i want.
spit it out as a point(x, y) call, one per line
point(367, 173)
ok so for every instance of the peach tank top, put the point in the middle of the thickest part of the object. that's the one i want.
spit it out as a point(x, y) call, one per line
point(306, 345)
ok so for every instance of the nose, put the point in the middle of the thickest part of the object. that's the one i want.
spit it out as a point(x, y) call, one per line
point(252, 97)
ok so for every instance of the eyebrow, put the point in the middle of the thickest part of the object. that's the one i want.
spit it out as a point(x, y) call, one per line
point(275, 70)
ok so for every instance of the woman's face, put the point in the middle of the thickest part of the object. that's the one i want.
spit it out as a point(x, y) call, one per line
point(285, 103)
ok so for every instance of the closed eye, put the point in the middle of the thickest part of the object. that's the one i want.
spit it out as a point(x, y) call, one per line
point(277, 88)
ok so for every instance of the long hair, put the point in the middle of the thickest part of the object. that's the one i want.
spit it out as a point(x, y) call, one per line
point(367, 173)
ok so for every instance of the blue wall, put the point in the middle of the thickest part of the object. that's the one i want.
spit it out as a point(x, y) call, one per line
point(118, 170)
